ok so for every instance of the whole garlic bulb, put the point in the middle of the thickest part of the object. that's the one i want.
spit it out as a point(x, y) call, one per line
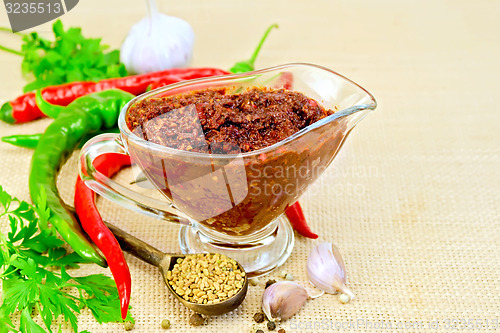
point(283, 299)
point(157, 42)
point(326, 269)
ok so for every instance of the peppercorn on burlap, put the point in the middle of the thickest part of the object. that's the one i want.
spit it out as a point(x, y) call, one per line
point(413, 199)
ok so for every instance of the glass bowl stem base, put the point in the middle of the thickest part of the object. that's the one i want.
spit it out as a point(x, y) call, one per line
point(258, 257)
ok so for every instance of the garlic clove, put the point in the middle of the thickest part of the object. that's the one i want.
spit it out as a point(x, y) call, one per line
point(282, 300)
point(326, 269)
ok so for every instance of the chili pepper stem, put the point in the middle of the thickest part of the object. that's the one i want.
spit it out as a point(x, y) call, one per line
point(248, 65)
point(257, 50)
point(50, 110)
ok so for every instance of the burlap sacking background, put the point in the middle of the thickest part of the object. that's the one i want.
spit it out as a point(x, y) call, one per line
point(412, 201)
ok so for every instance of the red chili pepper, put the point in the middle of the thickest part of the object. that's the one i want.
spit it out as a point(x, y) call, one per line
point(165, 81)
point(94, 226)
point(286, 80)
point(24, 109)
point(298, 221)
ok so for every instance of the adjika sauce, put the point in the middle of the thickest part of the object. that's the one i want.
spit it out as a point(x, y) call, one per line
point(233, 195)
point(250, 120)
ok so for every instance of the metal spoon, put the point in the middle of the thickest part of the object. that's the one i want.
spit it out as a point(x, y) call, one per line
point(166, 262)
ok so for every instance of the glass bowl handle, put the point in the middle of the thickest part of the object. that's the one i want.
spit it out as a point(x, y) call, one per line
point(111, 143)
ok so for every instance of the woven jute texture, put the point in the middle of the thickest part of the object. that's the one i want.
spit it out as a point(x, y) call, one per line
point(413, 199)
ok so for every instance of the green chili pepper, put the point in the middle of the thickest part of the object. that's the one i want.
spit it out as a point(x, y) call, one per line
point(248, 65)
point(98, 111)
point(31, 140)
point(52, 110)
point(23, 140)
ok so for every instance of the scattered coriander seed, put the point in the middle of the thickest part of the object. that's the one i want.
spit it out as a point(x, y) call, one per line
point(206, 278)
point(259, 317)
point(344, 298)
point(165, 324)
point(259, 331)
point(128, 325)
point(196, 319)
point(254, 281)
point(270, 282)
point(283, 274)
point(289, 277)
point(271, 325)
point(281, 330)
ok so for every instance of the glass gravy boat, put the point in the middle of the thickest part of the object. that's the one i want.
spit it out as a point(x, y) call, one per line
point(234, 203)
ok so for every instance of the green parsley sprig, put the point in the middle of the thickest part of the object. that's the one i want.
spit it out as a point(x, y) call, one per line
point(70, 57)
point(35, 279)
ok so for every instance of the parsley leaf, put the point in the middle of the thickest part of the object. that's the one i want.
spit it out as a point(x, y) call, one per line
point(6, 325)
point(27, 324)
point(70, 57)
point(34, 278)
